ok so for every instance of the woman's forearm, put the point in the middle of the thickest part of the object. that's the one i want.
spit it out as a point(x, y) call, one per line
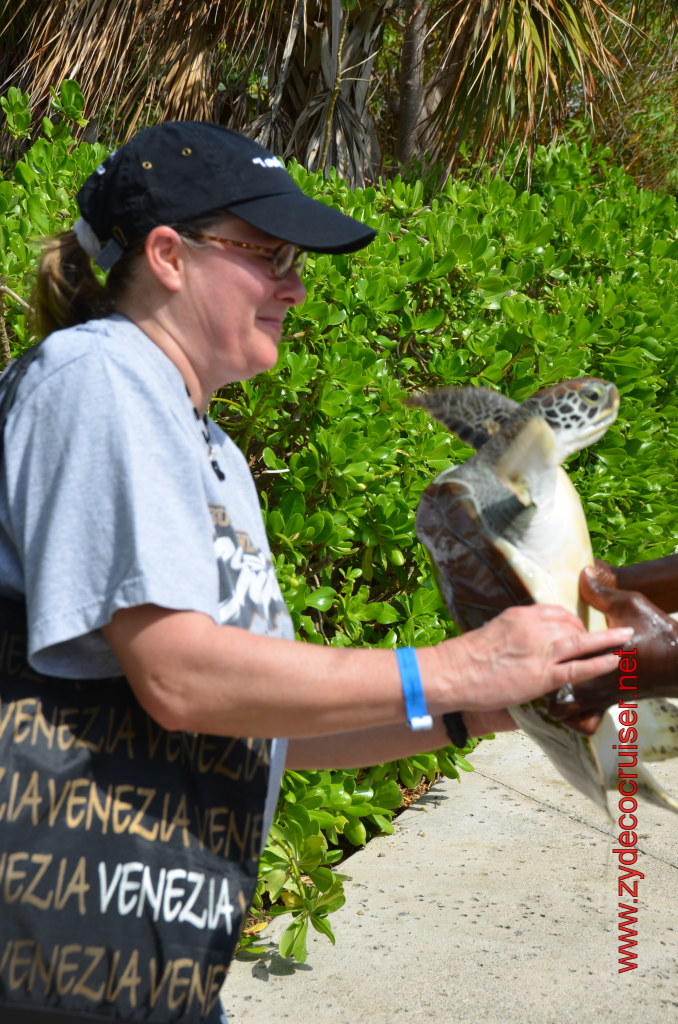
point(363, 747)
point(193, 675)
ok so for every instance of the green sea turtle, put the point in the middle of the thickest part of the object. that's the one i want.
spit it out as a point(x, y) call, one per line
point(507, 527)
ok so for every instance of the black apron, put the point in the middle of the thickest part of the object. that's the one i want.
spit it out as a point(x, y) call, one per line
point(128, 854)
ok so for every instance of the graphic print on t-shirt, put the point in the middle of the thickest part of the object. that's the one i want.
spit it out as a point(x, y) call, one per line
point(249, 595)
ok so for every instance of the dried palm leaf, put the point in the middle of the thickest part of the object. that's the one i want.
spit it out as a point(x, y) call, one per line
point(505, 63)
point(143, 58)
point(300, 75)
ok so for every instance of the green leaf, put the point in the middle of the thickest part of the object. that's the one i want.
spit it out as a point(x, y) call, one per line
point(356, 833)
point(322, 925)
point(428, 321)
point(321, 598)
point(293, 940)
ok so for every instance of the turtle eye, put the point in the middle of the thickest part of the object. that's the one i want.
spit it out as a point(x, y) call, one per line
point(592, 392)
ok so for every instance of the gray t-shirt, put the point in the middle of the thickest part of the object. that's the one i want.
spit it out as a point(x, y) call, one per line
point(108, 500)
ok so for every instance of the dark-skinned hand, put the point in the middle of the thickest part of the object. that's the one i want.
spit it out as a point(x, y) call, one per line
point(655, 642)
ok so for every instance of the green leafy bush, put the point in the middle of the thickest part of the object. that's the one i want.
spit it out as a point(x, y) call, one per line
point(485, 284)
point(37, 194)
point(482, 284)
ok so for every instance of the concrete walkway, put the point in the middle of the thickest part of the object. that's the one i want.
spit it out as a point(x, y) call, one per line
point(495, 902)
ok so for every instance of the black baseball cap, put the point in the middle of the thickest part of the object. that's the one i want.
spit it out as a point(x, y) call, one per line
point(180, 170)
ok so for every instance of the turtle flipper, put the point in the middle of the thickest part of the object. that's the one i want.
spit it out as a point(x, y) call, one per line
point(651, 731)
point(572, 753)
point(525, 465)
point(658, 719)
point(473, 414)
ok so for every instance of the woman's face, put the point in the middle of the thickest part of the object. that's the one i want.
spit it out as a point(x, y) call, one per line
point(232, 306)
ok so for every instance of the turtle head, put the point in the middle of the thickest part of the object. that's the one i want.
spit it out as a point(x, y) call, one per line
point(578, 411)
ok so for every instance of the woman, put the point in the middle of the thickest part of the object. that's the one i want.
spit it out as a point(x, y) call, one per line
point(134, 539)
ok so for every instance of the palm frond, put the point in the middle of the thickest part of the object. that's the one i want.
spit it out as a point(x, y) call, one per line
point(143, 58)
point(309, 78)
point(506, 63)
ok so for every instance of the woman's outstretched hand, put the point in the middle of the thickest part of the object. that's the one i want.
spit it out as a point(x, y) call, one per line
point(527, 652)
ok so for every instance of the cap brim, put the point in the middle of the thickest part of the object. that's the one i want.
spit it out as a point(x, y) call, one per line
point(308, 223)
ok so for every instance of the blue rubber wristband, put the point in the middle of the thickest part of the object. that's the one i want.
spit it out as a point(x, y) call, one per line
point(413, 692)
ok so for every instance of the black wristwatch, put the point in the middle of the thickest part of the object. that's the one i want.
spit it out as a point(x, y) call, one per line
point(455, 728)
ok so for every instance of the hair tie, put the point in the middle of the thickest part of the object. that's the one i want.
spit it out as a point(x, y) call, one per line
point(87, 240)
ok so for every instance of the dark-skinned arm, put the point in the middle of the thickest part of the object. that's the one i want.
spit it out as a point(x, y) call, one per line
point(654, 648)
point(656, 579)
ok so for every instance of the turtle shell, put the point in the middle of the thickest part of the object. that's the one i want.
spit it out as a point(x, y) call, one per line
point(475, 579)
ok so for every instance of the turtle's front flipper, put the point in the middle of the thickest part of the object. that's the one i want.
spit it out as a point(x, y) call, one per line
point(473, 414)
point(524, 462)
point(525, 458)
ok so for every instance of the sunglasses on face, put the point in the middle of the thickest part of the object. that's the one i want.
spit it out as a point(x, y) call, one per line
point(283, 258)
